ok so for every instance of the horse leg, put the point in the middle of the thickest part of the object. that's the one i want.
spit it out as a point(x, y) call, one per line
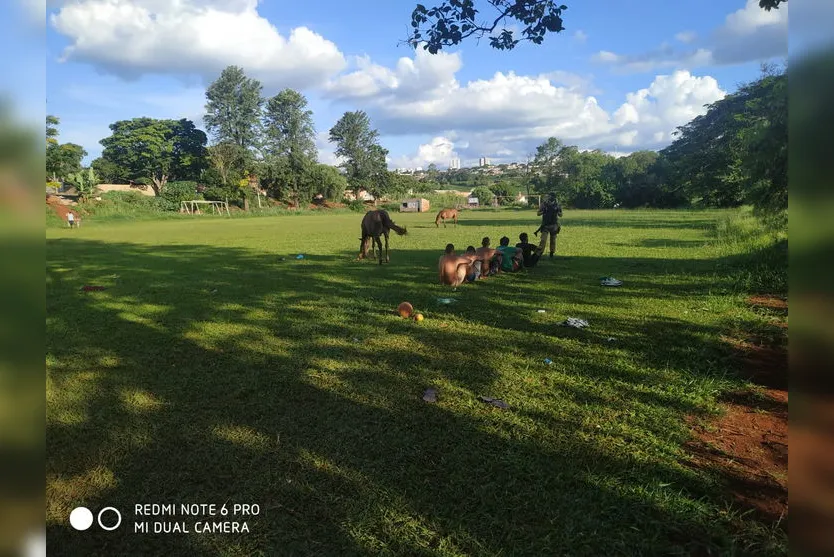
point(387, 257)
point(455, 216)
point(379, 245)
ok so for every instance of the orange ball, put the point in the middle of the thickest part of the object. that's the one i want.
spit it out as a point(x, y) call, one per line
point(418, 317)
point(405, 309)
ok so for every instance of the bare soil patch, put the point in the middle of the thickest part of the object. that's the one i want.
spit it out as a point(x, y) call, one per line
point(747, 446)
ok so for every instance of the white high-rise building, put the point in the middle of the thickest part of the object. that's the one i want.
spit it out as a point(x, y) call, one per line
point(454, 164)
point(483, 161)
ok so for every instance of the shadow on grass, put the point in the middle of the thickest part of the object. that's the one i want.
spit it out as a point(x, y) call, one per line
point(212, 375)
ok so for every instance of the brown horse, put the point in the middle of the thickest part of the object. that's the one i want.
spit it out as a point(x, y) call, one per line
point(375, 224)
point(446, 214)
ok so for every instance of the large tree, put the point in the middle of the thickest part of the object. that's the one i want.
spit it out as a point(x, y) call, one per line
point(453, 21)
point(737, 151)
point(290, 143)
point(233, 108)
point(355, 139)
point(62, 159)
point(549, 174)
point(156, 151)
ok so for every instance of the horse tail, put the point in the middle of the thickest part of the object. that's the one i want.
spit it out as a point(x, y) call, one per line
point(386, 220)
point(437, 220)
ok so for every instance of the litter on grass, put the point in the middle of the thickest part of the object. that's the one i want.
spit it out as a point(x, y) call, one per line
point(497, 402)
point(300, 256)
point(575, 323)
point(430, 395)
point(446, 300)
point(610, 281)
point(541, 311)
point(548, 361)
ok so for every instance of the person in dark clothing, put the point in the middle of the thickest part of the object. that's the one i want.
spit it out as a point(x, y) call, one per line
point(550, 211)
point(529, 251)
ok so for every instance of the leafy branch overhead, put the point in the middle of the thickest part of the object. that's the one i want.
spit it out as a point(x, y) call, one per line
point(454, 21)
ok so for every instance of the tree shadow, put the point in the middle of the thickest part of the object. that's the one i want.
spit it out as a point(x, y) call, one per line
point(212, 375)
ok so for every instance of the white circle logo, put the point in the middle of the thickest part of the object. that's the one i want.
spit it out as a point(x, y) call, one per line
point(81, 518)
point(118, 518)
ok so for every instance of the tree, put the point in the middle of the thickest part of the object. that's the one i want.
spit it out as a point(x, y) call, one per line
point(379, 182)
point(233, 108)
point(547, 164)
point(155, 151)
point(108, 171)
point(227, 159)
point(290, 141)
point(484, 195)
point(63, 159)
point(328, 181)
point(737, 151)
point(354, 139)
point(432, 173)
point(765, 140)
point(84, 182)
point(52, 129)
point(454, 21)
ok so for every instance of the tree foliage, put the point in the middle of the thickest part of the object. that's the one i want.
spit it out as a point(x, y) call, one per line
point(290, 145)
point(61, 159)
point(84, 181)
point(453, 21)
point(155, 151)
point(357, 143)
point(233, 108)
point(737, 151)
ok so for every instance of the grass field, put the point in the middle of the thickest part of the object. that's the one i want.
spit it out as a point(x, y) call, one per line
point(218, 368)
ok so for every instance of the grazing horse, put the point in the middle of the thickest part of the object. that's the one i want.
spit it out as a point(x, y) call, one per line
point(446, 214)
point(375, 224)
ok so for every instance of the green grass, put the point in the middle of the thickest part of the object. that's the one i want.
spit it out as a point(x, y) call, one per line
point(217, 368)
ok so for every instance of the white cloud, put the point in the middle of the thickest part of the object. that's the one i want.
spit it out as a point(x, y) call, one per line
point(606, 56)
point(747, 35)
point(440, 151)
point(505, 117)
point(686, 37)
point(580, 36)
point(425, 73)
point(131, 38)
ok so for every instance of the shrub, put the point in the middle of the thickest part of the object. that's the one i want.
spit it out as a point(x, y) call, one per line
point(176, 192)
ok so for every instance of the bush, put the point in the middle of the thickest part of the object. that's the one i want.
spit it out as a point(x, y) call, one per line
point(356, 205)
point(176, 192)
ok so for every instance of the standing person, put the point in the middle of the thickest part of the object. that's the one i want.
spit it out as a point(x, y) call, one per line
point(530, 252)
point(550, 211)
point(511, 257)
point(70, 219)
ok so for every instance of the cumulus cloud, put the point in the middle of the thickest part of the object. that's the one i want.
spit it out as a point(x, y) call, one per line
point(412, 77)
point(131, 38)
point(686, 37)
point(440, 151)
point(749, 34)
point(505, 117)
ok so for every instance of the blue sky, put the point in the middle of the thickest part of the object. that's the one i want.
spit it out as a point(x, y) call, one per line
point(618, 78)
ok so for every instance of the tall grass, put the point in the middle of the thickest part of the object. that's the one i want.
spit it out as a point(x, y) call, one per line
point(758, 251)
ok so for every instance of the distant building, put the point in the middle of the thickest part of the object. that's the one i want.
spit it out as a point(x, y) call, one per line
point(483, 161)
point(454, 164)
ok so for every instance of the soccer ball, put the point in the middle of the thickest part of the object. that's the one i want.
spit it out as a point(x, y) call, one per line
point(405, 310)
